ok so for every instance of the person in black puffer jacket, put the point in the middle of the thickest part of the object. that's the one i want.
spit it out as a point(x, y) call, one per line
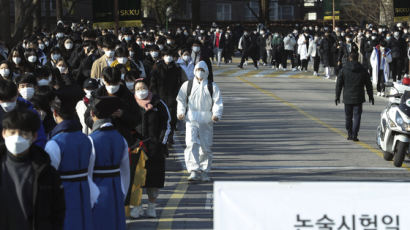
point(352, 79)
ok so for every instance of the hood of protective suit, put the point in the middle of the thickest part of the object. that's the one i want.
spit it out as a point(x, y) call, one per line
point(202, 65)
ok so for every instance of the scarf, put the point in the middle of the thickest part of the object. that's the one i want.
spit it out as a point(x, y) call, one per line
point(145, 103)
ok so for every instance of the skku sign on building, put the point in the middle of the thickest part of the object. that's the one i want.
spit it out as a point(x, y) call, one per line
point(311, 205)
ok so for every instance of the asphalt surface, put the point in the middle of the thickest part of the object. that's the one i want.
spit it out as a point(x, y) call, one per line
point(277, 126)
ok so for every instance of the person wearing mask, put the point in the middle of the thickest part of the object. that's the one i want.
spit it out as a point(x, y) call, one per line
point(218, 45)
point(289, 43)
point(124, 119)
point(368, 46)
point(41, 100)
point(129, 79)
point(55, 55)
point(26, 85)
point(112, 166)
point(89, 86)
point(155, 127)
point(200, 105)
point(261, 40)
point(19, 64)
point(151, 60)
point(71, 155)
point(121, 58)
point(106, 60)
point(186, 64)
point(313, 52)
point(352, 79)
point(32, 60)
point(31, 194)
point(345, 49)
point(249, 49)
point(43, 76)
point(397, 45)
point(166, 80)
point(5, 71)
point(325, 53)
point(303, 45)
point(380, 60)
point(135, 55)
point(10, 100)
point(227, 52)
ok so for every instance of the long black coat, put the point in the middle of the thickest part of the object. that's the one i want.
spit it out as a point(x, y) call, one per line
point(166, 80)
point(325, 51)
point(48, 193)
point(155, 125)
point(353, 78)
point(129, 118)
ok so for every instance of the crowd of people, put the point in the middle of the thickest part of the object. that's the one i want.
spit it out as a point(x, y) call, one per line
point(77, 101)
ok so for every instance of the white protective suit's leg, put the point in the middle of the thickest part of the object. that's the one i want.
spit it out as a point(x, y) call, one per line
point(192, 147)
point(205, 153)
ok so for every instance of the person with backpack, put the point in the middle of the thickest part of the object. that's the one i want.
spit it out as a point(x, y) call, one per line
point(200, 105)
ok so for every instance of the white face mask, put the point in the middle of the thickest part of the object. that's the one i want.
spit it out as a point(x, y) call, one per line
point(130, 85)
point(139, 43)
point(88, 93)
point(41, 46)
point(42, 114)
point(43, 82)
point(168, 59)
point(122, 60)
point(8, 106)
point(16, 60)
point(62, 69)
point(131, 53)
point(17, 144)
point(47, 43)
point(55, 57)
point(5, 72)
point(59, 35)
point(196, 49)
point(109, 53)
point(27, 93)
point(112, 89)
point(32, 59)
point(141, 94)
point(201, 75)
point(154, 54)
point(185, 58)
point(68, 46)
point(161, 47)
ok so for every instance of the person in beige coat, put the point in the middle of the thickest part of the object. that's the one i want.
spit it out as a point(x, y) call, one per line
point(106, 60)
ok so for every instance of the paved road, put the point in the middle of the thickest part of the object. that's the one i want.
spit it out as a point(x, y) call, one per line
point(277, 126)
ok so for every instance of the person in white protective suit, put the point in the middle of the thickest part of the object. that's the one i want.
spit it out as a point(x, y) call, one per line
point(200, 110)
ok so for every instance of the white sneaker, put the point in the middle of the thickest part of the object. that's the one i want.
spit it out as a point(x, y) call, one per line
point(137, 212)
point(378, 94)
point(205, 177)
point(294, 69)
point(151, 210)
point(327, 77)
point(382, 94)
point(336, 79)
point(315, 73)
point(194, 176)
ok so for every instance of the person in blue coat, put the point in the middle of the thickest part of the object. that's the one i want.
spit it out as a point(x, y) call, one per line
point(71, 154)
point(112, 167)
point(10, 100)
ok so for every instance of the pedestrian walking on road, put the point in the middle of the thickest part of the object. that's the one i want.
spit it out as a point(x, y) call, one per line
point(352, 79)
point(200, 104)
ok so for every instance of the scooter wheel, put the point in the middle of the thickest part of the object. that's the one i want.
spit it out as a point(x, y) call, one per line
point(400, 153)
point(388, 156)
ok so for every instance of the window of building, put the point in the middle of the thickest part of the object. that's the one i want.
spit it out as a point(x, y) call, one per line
point(223, 12)
point(286, 12)
point(273, 10)
point(254, 5)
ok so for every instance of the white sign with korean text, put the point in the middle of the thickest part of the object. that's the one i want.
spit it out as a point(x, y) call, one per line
point(311, 206)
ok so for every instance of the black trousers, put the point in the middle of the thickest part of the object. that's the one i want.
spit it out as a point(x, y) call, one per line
point(316, 62)
point(396, 67)
point(288, 55)
point(353, 115)
point(304, 64)
point(245, 57)
point(380, 81)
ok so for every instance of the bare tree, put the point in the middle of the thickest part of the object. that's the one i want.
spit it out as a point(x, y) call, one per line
point(372, 11)
point(159, 8)
point(263, 15)
point(23, 10)
point(5, 19)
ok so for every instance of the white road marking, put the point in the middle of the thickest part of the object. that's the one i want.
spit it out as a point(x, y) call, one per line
point(209, 201)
